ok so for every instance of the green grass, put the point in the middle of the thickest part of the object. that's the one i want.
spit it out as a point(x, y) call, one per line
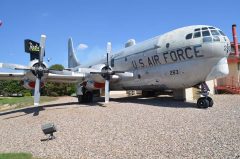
point(20, 102)
point(16, 156)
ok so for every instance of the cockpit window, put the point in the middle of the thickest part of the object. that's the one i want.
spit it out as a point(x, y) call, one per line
point(216, 38)
point(206, 33)
point(197, 34)
point(204, 28)
point(211, 28)
point(207, 39)
point(221, 33)
point(198, 29)
point(189, 36)
point(214, 32)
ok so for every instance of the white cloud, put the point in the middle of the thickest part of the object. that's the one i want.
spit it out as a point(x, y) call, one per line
point(82, 47)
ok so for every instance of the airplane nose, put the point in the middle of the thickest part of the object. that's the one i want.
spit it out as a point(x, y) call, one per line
point(221, 47)
point(227, 46)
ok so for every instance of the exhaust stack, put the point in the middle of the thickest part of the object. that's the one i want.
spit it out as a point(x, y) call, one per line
point(235, 40)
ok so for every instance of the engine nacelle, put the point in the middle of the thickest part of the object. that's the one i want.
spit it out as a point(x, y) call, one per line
point(31, 84)
point(91, 85)
point(34, 62)
point(98, 77)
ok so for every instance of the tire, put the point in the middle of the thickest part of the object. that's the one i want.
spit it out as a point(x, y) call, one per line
point(89, 97)
point(148, 93)
point(203, 102)
point(80, 99)
point(210, 100)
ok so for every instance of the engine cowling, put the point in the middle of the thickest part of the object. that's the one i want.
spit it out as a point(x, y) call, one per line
point(98, 77)
point(91, 85)
point(34, 63)
point(31, 84)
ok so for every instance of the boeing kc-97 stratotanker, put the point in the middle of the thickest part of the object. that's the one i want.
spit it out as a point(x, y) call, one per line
point(181, 58)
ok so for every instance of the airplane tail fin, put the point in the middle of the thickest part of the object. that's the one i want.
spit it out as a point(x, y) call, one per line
point(72, 59)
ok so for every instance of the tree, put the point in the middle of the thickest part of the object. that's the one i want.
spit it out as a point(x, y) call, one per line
point(58, 89)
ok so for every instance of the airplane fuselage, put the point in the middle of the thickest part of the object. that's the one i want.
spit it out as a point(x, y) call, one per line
point(181, 58)
point(171, 60)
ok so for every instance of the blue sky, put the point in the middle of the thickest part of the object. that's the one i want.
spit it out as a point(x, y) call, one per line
point(95, 22)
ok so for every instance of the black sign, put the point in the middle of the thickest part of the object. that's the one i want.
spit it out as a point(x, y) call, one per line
point(32, 46)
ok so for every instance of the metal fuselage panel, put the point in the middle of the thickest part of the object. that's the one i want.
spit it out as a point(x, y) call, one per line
point(170, 61)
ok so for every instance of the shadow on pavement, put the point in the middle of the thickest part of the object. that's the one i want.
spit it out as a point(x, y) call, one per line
point(35, 110)
point(166, 101)
point(160, 101)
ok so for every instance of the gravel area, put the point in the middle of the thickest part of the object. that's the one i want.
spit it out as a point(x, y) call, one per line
point(129, 127)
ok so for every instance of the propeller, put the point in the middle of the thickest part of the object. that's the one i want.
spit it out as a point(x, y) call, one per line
point(107, 72)
point(38, 70)
point(107, 75)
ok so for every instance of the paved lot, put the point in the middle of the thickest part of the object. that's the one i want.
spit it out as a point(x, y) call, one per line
point(130, 127)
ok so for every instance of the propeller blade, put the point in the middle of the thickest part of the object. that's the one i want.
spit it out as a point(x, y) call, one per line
point(109, 50)
point(14, 66)
point(37, 92)
point(118, 72)
point(106, 91)
point(42, 46)
point(96, 73)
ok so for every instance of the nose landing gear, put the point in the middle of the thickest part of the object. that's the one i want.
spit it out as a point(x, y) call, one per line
point(205, 101)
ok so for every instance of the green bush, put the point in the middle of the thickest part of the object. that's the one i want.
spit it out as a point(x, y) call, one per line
point(27, 94)
point(54, 94)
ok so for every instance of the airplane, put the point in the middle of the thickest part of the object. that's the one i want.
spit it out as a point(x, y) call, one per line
point(182, 58)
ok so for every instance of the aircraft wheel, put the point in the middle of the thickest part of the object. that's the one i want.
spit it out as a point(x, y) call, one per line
point(89, 97)
point(202, 102)
point(210, 100)
point(80, 99)
point(148, 93)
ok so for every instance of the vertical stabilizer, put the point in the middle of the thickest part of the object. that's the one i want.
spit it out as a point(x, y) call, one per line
point(72, 59)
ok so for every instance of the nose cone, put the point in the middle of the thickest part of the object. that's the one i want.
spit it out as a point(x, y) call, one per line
point(227, 45)
point(220, 47)
point(219, 70)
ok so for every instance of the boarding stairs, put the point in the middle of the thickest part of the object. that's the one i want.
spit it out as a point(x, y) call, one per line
point(229, 84)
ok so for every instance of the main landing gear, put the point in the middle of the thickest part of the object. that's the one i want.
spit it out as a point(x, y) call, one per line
point(205, 101)
point(86, 97)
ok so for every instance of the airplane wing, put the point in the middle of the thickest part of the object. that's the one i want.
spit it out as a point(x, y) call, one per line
point(71, 77)
point(12, 76)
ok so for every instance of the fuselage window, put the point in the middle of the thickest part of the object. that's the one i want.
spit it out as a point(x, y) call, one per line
point(206, 33)
point(198, 29)
point(189, 36)
point(197, 35)
point(222, 33)
point(214, 32)
point(204, 28)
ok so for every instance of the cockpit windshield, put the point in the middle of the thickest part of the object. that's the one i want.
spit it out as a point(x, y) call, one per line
point(205, 32)
point(214, 32)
